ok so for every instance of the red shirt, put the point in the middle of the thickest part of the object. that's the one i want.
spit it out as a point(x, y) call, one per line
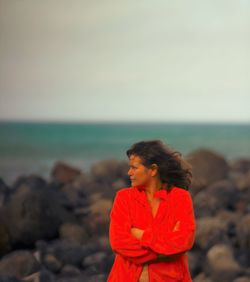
point(170, 232)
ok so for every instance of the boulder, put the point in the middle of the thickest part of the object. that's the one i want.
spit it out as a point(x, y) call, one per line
point(97, 222)
point(210, 231)
point(66, 252)
point(201, 277)
point(34, 215)
point(64, 173)
point(19, 264)
point(240, 165)
point(208, 167)
point(73, 232)
point(222, 265)
point(225, 192)
point(205, 204)
point(243, 182)
point(243, 236)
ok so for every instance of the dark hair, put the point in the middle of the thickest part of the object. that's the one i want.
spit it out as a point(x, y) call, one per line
point(172, 168)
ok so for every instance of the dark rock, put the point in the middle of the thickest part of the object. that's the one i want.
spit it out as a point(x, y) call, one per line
point(19, 264)
point(34, 215)
point(201, 277)
point(240, 165)
point(52, 263)
point(75, 198)
point(109, 171)
point(73, 232)
point(242, 279)
point(194, 262)
point(243, 182)
point(64, 173)
point(4, 278)
point(66, 252)
point(97, 277)
point(98, 218)
point(70, 270)
point(243, 236)
point(94, 259)
point(5, 243)
point(210, 231)
point(208, 167)
point(25, 184)
point(4, 190)
point(225, 192)
point(205, 205)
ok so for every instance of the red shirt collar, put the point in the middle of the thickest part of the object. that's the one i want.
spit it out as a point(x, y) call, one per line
point(162, 194)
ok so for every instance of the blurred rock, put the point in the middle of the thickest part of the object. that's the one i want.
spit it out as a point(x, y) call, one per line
point(243, 182)
point(208, 167)
point(64, 173)
point(18, 264)
point(240, 165)
point(222, 265)
point(210, 231)
point(52, 263)
point(225, 192)
point(34, 215)
point(205, 204)
point(201, 277)
point(73, 232)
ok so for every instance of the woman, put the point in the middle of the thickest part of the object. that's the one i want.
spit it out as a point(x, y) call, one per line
point(152, 223)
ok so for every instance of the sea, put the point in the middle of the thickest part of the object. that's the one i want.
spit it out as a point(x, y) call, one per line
point(34, 147)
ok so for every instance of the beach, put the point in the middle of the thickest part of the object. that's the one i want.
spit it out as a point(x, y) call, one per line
point(54, 222)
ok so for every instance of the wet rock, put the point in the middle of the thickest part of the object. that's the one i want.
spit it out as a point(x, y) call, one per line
point(19, 264)
point(64, 173)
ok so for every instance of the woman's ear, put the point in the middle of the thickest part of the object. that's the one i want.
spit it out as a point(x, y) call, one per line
point(154, 168)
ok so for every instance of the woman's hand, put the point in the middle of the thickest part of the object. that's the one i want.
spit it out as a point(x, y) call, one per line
point(137, 232)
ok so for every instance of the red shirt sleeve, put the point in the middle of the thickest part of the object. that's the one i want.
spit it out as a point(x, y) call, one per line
point(121, 240)
point(181, 238)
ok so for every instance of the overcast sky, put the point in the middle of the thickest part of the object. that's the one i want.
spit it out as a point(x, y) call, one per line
point(80, 60)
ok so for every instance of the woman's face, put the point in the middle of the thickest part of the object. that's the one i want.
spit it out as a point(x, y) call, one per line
point(138, 173)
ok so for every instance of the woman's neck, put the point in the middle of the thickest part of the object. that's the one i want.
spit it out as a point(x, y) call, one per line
point(153, 187)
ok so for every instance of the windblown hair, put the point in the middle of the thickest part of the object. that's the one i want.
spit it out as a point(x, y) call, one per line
point(172, 168)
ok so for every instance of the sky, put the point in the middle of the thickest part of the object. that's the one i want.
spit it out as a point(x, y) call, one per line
point(88, 60)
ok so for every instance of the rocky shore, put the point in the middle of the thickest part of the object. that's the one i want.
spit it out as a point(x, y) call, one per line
point(57, 229)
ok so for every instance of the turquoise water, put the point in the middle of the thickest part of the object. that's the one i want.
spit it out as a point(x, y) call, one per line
point(34, 147)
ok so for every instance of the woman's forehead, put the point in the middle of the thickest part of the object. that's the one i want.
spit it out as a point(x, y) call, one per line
point(133, 159)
